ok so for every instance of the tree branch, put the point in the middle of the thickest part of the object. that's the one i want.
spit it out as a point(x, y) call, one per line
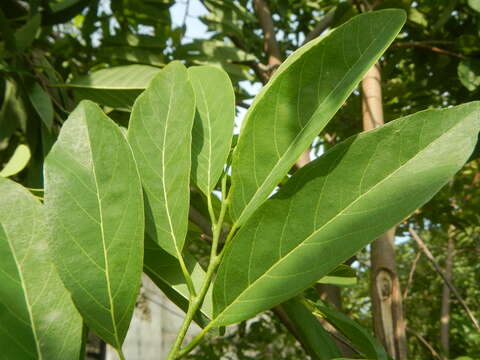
point(425, 343)
point(454, 290)
point(427, 45)
point(320, 27)
point(269, 42)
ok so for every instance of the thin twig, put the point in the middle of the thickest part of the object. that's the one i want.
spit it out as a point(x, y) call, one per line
point(425, 343)
point(428, 46)
point(454, 290)
point(410, 275)
point(320, 27)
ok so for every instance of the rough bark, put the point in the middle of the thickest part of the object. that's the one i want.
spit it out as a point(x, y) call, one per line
point(388, 321)
point(445, 309)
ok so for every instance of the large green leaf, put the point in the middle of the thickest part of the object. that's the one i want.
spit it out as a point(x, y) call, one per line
point(318, 341)
point(117, 86)
point(160, 133)
point(300, 99)
point(37, 317)
point(213, 124)
point(358, 336)
point(166, 273)
point(337, 204)
point(94, 199)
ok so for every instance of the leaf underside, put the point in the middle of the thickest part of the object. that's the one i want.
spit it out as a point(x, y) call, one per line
point(95, 204)
point(160, 135)
point(303, 95)
point(337, 204)
point(37, 317)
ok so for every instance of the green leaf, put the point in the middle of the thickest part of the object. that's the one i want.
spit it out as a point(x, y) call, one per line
point(474, 4)
point(37, 317)
point(358, 336)
point(17, 162)
point(13, 113)
point(160, 133)
point(319, 342)
point(26, 34)
point(469, 73)
point(342, 275)
point(337, 204)
point(166, 273)
point(94, 199)
point(42, 104)
point(117, 86)
point(213, 125)
point(299, 100)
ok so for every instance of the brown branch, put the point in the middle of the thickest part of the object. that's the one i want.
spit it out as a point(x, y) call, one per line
point(410, 274)
point(270, 43)
point(425, 343)
point(320, 27)
point(428, 46)
point(454, 290)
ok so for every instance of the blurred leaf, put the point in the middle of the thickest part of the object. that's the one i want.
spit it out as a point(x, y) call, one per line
point(13, 113)
point(117, 87)
point(469, 73)
point(319, 342)
point(343, 275)
point(26, 34)
point(42, 103)
point(474, 4)
point(17, 162)
point(358, 336)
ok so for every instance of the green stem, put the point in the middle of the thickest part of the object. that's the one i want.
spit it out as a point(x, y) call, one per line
point(197, 301)
point(186, 275)
point(120, 353)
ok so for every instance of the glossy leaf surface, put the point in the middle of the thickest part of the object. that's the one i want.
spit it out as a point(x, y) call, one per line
point(94, 199)
point(117, 86)
point(299, 100)
point(213, 125)
point(37, 317)
point(337, 204)
point(160, 135)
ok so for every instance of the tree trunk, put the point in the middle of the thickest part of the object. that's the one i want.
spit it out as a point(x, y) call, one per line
point(388, 321)
point(445, 311)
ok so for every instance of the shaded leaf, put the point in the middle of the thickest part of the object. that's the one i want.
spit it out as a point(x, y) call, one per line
point(358, 336)
point(337, 204)
point(320, 343)
point(469, 73)
point(17, 162)
point(160, 135)
point(213, 125)
point(342, 275)
point(42, 104)
point(25, 35)
point(95, 204)
point(166, 273)
point(117, 87)
point(299, 100)
point(37, 317)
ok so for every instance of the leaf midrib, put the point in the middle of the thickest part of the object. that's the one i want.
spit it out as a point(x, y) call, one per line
point(232, 303)
point(303, 130)
point(25, 294)
point(102, 231)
